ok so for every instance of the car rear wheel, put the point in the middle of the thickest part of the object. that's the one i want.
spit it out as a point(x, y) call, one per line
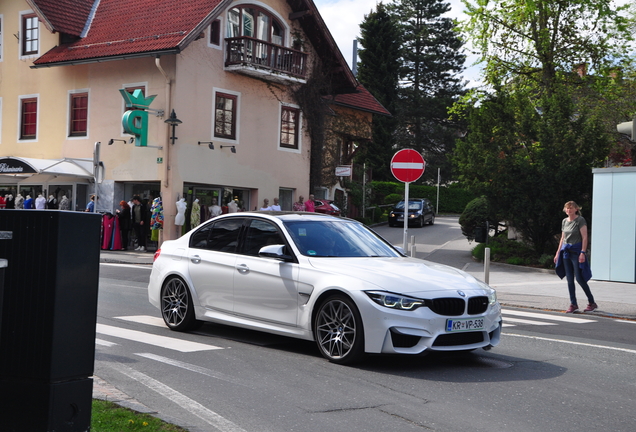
point(338, 330)
point(432, 221)
point(176, 306)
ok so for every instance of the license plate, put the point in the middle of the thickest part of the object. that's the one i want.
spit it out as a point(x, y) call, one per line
point(400, 219)
point(466, 324)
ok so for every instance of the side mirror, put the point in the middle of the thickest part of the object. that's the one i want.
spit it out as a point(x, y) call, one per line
point(274, 251)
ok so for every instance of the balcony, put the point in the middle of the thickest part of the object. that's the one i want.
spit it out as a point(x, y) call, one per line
point(265, 60)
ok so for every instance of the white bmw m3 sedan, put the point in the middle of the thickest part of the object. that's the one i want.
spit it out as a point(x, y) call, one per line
point(322, 278)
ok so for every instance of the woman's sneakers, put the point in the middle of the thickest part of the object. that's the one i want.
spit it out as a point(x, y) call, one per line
point(573, 308)
point(591, 307)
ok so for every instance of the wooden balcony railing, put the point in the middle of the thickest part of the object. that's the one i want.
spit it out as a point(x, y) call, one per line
point(249, 51)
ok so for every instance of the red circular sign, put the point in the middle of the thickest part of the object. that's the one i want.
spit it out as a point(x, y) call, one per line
point(407, 165)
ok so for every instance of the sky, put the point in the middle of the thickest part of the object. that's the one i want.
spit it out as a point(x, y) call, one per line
point(343, 18)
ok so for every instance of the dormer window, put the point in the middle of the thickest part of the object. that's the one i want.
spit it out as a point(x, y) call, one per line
point(30, 37)
point(252, 21)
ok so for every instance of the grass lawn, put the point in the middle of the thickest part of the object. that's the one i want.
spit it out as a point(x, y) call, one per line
point(110, 417)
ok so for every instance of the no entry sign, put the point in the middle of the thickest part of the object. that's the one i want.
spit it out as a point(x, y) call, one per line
point(407, 165)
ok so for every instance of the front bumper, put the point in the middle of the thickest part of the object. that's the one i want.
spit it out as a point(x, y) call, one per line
point(413, 332)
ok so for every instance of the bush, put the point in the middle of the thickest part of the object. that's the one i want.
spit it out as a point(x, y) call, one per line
point(393, 198)
point(452, 198)
point(475, 215)
point(512, 252)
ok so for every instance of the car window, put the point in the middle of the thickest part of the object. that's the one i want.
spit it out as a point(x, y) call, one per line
point(221, 236)
point(261, 233)
point(199, 239)
point(337, 239)
point(415, 205)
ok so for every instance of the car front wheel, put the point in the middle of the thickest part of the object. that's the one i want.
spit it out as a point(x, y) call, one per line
point(338, 330)
point(176, 306)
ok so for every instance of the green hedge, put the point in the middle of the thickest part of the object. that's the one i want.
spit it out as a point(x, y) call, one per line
point(452, 198)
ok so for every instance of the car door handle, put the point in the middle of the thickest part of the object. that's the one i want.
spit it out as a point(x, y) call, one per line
point(196, 259)
point(242, 268)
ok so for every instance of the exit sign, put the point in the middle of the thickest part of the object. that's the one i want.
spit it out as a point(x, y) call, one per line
point(159, 160)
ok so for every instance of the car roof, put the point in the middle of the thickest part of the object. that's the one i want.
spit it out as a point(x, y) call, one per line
point(288, 216)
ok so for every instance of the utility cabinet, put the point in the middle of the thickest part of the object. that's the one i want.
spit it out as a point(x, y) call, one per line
point(48, 319)
point(613, 237)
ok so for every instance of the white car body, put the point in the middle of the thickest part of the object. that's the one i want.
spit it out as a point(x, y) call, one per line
point(281, 296)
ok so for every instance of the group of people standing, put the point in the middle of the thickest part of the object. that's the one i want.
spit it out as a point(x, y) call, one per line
point(273, 207)
point(135, 215)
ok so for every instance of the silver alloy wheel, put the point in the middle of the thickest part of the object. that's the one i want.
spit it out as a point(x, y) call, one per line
point(174, 303)
point(336, 329)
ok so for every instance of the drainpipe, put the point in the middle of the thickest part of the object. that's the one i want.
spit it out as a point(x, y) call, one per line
point(167, 194)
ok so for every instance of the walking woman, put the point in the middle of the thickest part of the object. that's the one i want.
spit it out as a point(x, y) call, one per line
point(571, 257)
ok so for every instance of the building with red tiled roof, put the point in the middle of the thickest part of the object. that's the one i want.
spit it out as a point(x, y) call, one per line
point(243, 78)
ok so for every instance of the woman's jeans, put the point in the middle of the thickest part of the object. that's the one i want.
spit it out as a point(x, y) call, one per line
point(572, 270)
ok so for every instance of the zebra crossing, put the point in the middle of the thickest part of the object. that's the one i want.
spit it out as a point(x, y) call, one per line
point(513, 318)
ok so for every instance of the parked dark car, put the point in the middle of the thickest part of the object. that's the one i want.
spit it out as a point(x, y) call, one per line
point(326, 207)
point(420, 212)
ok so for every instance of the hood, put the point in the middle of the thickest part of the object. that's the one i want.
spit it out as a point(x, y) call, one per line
point(409, 276)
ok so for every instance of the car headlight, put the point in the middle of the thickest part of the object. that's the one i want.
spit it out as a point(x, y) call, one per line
point(492, 297)
point(394, 301)
point(491, 293)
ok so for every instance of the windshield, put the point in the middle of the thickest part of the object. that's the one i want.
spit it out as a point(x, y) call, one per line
point(337, 239)
point(413, 205)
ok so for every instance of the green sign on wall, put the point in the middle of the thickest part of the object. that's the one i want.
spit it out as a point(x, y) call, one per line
point(135, 121)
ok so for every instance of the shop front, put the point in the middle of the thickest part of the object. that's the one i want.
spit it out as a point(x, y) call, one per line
point(64, 183)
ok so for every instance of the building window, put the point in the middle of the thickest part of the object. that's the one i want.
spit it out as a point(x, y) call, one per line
point(225, 116)
point(78, 114)
point(28, 118)
point(252, 21)
point(289, 127)
point(30, 37)
point(215, 32)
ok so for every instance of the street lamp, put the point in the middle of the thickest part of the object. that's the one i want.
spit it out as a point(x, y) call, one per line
point(174, 122)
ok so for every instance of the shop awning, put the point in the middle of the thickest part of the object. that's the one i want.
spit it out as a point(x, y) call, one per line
point(57, 167)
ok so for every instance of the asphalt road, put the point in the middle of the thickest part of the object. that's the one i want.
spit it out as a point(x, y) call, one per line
point(550, 373)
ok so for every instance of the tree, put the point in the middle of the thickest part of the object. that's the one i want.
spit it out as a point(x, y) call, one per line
point(378, 71)
point(528, 164)
point(538, 39)
point(532, 143)
point(432, 59)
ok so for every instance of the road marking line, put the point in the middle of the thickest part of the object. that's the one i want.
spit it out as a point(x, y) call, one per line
point(144, 266)
point(193, 368)
point(160, 341)
point(104, 343)
point(546, 316)
point(572, 343)
point(144, 319)
point(524, 321)
point(190, 405)
point(625, 321)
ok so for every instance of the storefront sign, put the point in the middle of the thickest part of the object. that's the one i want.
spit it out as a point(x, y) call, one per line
point(14, 166)
point(343, 171)
point(135, 121)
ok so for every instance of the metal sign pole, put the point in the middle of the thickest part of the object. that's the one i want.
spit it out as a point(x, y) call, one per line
point(406, 215)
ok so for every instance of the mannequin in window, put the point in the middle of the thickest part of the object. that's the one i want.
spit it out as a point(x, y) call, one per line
point(40, 202)
point(195, 215)
point(51, 203)
point(65, 204)
point(215, 209)
point(19, 201)
point(10, 203)
point(28, 203)
point(181, 208)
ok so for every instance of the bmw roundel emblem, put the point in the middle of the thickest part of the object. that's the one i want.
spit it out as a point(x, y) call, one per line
point(461, 293)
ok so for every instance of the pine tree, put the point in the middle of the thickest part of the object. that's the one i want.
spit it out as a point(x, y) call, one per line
point(378, 72)
point(430, 81)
